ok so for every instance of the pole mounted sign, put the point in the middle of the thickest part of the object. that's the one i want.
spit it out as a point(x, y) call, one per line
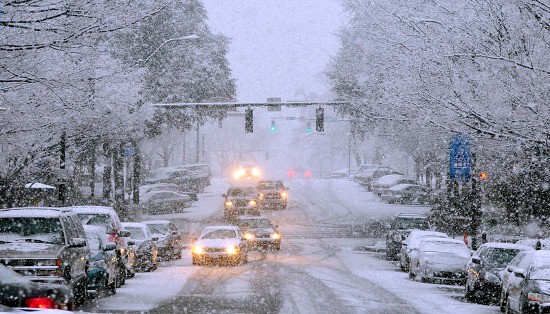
point(459, 158)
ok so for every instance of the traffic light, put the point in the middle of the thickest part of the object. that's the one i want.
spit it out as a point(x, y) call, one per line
point(320, 120)
point(249, 121)
point(483, 175)
point(273, 127)
point(309, 127)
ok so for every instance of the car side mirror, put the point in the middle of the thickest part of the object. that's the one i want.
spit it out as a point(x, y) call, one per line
point(155, 239)
point(520, 273)
point(131, 242)
point(124, 233)
point(109, 247)
point(510, 269)
point(476, 260)
point(78, 242)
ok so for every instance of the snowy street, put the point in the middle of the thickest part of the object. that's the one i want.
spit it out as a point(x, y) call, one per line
point(326, 264)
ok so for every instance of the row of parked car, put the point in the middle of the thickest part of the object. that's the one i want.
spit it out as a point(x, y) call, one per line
point(59, 256)
point(516, 275)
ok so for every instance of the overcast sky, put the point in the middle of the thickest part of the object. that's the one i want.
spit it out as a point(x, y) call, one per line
point(279, 48)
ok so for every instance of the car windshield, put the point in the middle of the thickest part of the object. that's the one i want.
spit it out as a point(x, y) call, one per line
point(31, 229)
point(94, 242)
point(158, 228)
point(411, 223)
point(219, 234)
point(99, 220)
point(269, 186)
point(241, 192)
point(137, 233)
point(498, 257)
point(254, 223)
point(445, 247)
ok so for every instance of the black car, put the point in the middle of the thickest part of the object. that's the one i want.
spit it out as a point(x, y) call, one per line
point(46, 244)
point(144, 246)
point(483, 279)
point(272, 194)
point(20, 291)
point(169, 238)
point(240, 201)
point(259, 232)
point(399, 229)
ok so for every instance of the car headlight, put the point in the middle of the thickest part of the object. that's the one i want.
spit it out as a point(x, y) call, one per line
point(538, 297)
point(256, 172)
point(283, 194)
point(229, 203)
point(492, 278)
point(231, 250)
point(198, 249)
point(252, 202)
point(249, 236)
point(261, 195)
point(275, 235)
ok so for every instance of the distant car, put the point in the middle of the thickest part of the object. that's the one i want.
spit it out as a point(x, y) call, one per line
point(156, 187)
point(544, 243)
point(144, 246)
point(169, 241)
point(259, 232)
point(107, 218)
point(20, 291)
point(162, 202)
point(407, 193)
point(220, 245)
point(439, 259)
point(247, 171)
point(47, 245)
point(272, 194)
point(240, 201)
point(483, 271)
point(528, 288)
point(380, 185)
point(412, 242)
point(102, 269)
point(399, 229)
point(367, 177)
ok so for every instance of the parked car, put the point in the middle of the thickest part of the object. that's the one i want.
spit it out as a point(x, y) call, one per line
point(220, 245)
point(47, 245)
point(240, 201)
point(535, 243)
point(107, 218)
point(169, 241)
point(367, 177)
point(21, 291)
point(380, 185)
point(529, 287)
point(259, 232)
point(483, 271)
point(412, 242)
point(399, 229)
point(439, 259)
point(505, 276)
point(102, 268)
point(144, 245)
point(156, 187)
point(163, 202)
point(407, 193)
point(272, 194)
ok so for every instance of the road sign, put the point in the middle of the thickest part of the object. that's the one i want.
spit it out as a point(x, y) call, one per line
point(459, 158)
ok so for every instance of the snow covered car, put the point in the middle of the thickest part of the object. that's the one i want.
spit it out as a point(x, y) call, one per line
point(399, 229)
point(534, 243)
point(439, 259)
point(144, 246)
point(411, 244)
point(162, 202)
point(406, 193)
point(240, 201)
point(259, 232)
point(169, 241)
point(247, 171)
point(20, 291)
point(505, 276)
point(272, 194)
point(163, 186)
point(220, 244)
point(380, 185)
point(483, 271)
point(47, 245)
point(529, 287)
point(102, 267)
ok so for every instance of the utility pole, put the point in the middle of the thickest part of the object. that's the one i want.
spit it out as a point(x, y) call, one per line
point(61, 175)
point(197, 144)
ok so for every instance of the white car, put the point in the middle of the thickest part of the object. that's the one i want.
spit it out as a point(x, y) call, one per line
point(412, 242)
point(440, 259)
point(385, 182)
point(220, 244)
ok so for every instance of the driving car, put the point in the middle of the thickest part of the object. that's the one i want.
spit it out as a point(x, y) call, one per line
point(439, 259)
point(169, 241)
point(20, 291)
point(220, 245)
point(259, 232)
point(144, 246)
point(401, 225)
point(102, 268)
point(412, 242)
point(240, 201)
point(529, 286)
point(247, 171)
point(483, 271)
point(107, 218)
point(272, 194)
point(46, 244)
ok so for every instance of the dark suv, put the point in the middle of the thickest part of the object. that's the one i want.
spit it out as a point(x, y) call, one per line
point(399, 229)
point(240, 201)
point(47, 244)
point(272, 194)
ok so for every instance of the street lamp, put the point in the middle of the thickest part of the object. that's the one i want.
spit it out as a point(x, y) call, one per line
point(167, 41)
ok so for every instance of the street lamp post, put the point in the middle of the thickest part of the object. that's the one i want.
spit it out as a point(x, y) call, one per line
point(167, 41)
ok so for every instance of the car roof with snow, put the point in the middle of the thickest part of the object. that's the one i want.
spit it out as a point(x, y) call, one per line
point(504, 245)
point(133, 224)
point(33, 212)
point(157, 221)
point(212, 228)
point(389, 178)
point(92, 209)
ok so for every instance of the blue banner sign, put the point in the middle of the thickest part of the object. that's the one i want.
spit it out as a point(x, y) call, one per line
point(459, 158)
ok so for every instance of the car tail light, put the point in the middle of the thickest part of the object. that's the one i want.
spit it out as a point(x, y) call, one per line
point(41, 303)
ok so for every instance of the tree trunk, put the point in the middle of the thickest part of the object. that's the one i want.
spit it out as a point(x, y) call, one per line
point(107, 189)
point(118, 173)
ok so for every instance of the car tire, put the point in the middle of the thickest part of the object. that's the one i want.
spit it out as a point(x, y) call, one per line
point(81, 292)
point(121, 276)
point(111, 287)
point(468, 293)
point(277, 247)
